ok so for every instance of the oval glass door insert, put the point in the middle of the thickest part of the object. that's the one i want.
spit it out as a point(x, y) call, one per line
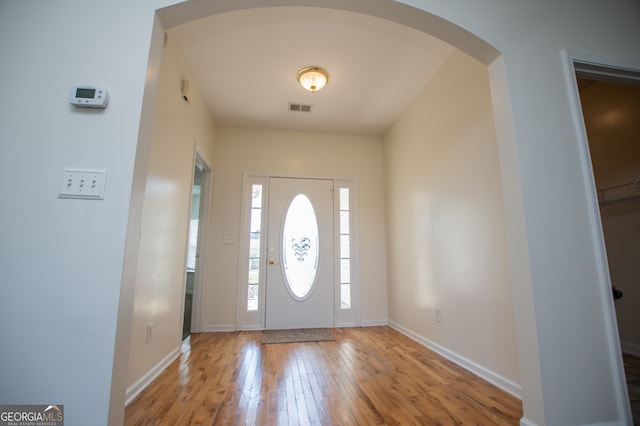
point(300, 243)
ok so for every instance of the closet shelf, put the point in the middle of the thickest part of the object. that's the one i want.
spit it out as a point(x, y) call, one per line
point(625, 192)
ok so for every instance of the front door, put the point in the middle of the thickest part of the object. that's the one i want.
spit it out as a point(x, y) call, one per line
point(299, 286)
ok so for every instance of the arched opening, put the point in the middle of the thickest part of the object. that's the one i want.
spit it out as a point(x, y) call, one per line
point(405, 15)
point(458, 37)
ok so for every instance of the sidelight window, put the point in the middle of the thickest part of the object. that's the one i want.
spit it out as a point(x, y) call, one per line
point(255, 237)
point(345, 250)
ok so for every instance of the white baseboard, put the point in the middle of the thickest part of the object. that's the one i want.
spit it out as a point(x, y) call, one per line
point(616, 423)
point(630, 348)
point(526, 422)
point(349, 324)
point(374, 323)
point(503, 383)
point(144, 381)
point(223, 328)
point(252, 328)
point(232, 327)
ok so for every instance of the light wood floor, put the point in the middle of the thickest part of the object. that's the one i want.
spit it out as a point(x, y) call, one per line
point(632, 371)
point(368, 376)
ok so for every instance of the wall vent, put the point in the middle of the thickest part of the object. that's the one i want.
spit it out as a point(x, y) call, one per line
point(299, 107)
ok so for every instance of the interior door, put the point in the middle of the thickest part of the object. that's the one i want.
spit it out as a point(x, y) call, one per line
point(299, 279)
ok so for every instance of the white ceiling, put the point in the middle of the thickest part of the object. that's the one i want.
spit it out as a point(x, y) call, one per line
point(245, 64)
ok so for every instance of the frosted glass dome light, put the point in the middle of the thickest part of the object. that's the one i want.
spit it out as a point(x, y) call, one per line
point(313, 78)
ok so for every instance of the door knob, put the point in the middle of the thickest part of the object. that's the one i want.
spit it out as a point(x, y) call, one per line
point(272, 262)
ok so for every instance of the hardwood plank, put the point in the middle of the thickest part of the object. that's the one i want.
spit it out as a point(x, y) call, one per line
point(632, 372)
point(368, 376)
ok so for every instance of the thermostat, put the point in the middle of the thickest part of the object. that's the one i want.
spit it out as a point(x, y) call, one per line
point(88, 97)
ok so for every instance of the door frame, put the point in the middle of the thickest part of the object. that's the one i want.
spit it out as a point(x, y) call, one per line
point(587, 65)
point(246, 320)
point(203, 225)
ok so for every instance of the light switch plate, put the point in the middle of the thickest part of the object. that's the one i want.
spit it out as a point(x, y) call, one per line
point(86, 184)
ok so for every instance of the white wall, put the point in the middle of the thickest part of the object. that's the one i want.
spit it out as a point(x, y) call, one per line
point(178, 127)
point(561, 245)
point(446, 234)
point(62, 259)
point(305, 154)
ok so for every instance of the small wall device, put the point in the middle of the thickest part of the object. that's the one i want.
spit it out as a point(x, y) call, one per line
point(185, 90)
point(88, 97)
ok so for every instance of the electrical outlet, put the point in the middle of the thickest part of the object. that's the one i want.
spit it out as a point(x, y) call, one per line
point(438, 315)
point(83, 183)
point(149, 332)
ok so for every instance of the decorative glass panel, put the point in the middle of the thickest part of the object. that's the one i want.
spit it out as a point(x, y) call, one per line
point(345, 296)
point(256, 219)
point(300, 241)
point(344, 222)
point(254, 271)
point(252, 299)
point(345, 271)
point(254, 245)
point(344, 198)
point(256, 196)
point(345, 251)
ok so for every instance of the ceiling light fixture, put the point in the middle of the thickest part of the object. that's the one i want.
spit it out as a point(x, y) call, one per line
point(313, 78)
